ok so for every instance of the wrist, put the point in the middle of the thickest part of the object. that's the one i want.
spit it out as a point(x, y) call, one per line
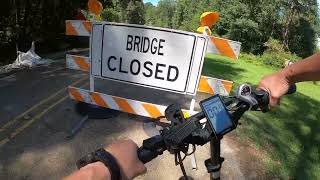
point(287, 75)
point(96, 170)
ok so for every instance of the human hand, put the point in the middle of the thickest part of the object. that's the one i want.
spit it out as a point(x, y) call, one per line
point(125, 151)
point(276, 85)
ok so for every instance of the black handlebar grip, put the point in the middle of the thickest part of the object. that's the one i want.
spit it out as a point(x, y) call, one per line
point(146, 155)
point(263, 98)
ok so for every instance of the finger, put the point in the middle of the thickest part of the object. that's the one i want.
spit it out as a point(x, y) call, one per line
point(274, 102)
point(141, 170)
point(261, 88)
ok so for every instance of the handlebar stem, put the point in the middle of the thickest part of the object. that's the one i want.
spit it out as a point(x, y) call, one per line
point(214, 164)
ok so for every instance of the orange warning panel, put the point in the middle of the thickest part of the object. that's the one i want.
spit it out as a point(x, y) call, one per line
point(78, 28)
point(70, 30)
point(78, 62)
point(215, 86)
point(224, 47)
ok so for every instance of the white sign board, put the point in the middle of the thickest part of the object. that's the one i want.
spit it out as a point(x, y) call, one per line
point(154, 57)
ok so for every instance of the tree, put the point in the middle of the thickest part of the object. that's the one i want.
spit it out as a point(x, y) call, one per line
point(107, 3)
point(246, 31)
point(110, 15)
point(164, 13)
point(24, 21)
point(150, 14)
point(130, 11)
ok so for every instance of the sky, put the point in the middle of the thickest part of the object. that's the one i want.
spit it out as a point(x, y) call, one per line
point(155, 2)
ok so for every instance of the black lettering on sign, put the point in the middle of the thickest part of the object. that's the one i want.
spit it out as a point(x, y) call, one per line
point(146, 41)
point(129, 43)
point(158, 70)
point(148, 69)
point(144, 44)
point(136, 43)
point(141, 44)
point(120, 67)
point(153, 47)
point(138, 67)
point(111, 69)
point(161, 47)
point(175, 77)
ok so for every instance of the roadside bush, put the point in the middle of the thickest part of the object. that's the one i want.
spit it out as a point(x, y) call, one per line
point(275, 55)
point(249, 57)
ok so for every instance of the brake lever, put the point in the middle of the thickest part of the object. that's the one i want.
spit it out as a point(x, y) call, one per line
point(263, 100)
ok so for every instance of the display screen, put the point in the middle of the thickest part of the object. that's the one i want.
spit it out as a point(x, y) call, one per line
point(217, 115)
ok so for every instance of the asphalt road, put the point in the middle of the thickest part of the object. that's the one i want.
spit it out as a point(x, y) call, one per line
point(37, 115)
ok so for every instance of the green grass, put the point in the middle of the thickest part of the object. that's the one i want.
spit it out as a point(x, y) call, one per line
point(289, 134)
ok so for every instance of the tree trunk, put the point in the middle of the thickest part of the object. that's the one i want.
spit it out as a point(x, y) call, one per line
point(287, 27)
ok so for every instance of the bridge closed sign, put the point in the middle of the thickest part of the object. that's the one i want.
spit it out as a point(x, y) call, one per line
point(147, 56)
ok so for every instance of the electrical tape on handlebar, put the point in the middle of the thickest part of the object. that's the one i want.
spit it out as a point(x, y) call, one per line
point(176, 137)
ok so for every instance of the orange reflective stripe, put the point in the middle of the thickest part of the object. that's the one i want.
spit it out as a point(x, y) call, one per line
point(124, 105)
point(81, 63)
point(98, 99)
point(152, 110)
point(204, 86)
point(87, 25)
point(76, 94)
point(227, 86)
point(70, 30)
point(223, 47)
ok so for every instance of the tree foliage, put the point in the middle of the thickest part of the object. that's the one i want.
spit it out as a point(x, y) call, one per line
point(23, 21)
point(294, 23)
point(126, 11)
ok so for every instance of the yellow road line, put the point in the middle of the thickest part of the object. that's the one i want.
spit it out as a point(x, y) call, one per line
point(21, 128)
point(9, 123)
point(32, 120)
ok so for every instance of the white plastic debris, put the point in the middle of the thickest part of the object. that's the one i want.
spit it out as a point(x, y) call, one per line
point(28, 59)
point(25, 60)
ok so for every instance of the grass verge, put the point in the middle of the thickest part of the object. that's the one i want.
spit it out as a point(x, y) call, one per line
point(289, 134)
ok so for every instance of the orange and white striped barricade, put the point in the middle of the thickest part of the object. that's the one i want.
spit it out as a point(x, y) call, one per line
point(78, 28)
point(217, 45)
point(215, 86)
point(224, 47)
point(81, 28)
point(78, 62)
point(118, 103)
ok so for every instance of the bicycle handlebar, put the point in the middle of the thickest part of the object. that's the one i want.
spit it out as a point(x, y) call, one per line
point(183, 132)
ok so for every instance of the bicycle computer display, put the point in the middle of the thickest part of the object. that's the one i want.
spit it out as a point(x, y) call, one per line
point(217, 115)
